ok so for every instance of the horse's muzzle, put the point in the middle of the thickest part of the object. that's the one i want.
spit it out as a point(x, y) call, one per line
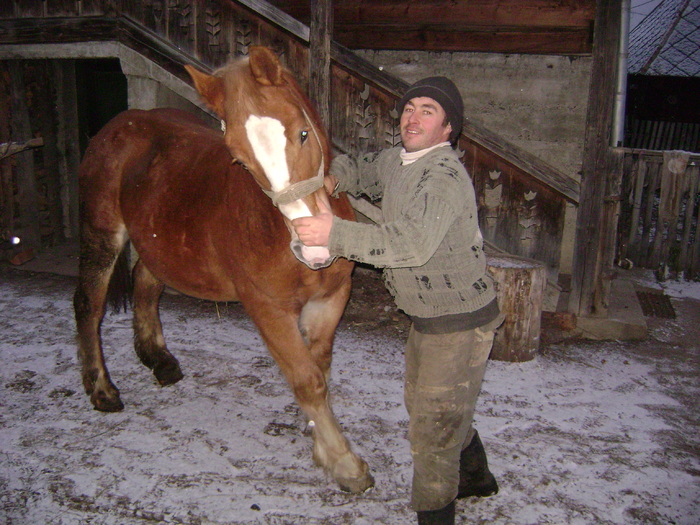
point(315, 257)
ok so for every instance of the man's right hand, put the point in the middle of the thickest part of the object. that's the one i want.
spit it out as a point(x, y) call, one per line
point(330, 183)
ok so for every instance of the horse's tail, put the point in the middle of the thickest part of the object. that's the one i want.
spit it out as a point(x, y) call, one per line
point(121, 286)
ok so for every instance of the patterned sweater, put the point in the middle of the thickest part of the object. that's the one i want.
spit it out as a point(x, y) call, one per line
point(429, 242)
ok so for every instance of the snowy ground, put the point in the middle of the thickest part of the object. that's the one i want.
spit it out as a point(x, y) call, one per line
point(588, 432)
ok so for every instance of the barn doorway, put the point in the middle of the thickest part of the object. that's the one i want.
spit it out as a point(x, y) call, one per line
point(63, 102)
point(102, 93)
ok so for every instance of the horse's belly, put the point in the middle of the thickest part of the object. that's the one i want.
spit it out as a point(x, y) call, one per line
point(187, 271)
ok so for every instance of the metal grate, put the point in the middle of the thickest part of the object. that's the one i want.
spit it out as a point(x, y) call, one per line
point(656, 305)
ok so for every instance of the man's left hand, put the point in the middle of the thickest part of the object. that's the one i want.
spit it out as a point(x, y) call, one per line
point(316, 230)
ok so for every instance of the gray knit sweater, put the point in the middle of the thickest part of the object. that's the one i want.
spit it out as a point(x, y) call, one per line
point(429, 242)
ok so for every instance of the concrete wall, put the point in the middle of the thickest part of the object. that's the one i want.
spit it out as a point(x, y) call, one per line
point(536, 102)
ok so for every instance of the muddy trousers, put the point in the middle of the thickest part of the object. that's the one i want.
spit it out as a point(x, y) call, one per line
point(443, 379)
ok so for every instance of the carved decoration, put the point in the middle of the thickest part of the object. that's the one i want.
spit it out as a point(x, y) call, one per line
point(364, 118)
point(528, 221)
point(392, 127)
point(493, 194)
point(158, 8)
point(212, 22)
point(242, 34)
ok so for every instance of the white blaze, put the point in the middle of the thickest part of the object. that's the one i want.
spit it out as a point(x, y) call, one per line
point(266, 136)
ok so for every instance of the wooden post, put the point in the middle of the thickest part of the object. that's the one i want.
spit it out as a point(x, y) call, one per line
point(7, 199)
point(320, 36)
point(594, 249)
point(68, 144)
point(27, 194)
point(520, 285)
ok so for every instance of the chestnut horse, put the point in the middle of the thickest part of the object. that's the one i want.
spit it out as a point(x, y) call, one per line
point(209, 215)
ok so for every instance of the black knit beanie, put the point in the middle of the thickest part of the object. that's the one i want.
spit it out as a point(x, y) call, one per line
point(442, 90)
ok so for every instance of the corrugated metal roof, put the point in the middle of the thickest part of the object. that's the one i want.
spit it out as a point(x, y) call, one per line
point(667, 41)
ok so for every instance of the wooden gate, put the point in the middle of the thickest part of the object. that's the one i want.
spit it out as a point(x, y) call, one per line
point(660, 212)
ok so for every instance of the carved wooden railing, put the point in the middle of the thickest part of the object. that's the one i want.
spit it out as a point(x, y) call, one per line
point(522, 200)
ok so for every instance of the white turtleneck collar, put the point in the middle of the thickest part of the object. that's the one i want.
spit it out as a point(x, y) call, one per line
point(409, 158)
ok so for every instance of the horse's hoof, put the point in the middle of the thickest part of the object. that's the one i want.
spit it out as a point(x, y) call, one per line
point(352, 474)
point(168, 373)
point(104, 403)
point(357, 485)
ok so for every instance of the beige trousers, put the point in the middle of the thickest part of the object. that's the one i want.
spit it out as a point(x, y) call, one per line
point(443, 379)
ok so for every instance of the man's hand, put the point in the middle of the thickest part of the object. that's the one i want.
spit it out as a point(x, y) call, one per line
point(330, 182)
point(315, 231)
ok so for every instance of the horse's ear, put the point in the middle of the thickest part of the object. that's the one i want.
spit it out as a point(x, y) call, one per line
point(265, 66)
point(211, 89)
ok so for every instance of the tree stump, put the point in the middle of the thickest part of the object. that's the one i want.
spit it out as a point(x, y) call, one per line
point(520, 285)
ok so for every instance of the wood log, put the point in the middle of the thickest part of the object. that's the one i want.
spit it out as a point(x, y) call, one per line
point(520, 285)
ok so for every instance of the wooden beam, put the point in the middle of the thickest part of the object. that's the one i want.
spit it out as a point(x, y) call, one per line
point(514, 13)
point(12, 148)
point(57, 30)
point(596, 222)
point(487, 40)
point(545, 13)
point(320, 38)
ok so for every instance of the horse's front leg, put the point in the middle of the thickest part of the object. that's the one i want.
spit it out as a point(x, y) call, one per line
point(149, 342)
point(332, 451)
point(318, 321)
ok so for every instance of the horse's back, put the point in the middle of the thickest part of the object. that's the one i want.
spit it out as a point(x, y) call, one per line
point(199, 222)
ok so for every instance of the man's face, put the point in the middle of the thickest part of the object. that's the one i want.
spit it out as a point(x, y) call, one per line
point(423, 124)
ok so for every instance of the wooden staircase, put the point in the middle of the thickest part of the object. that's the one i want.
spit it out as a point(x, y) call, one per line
point(522, 199)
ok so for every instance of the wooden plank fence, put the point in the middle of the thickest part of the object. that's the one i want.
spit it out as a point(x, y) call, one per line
point(660, 212)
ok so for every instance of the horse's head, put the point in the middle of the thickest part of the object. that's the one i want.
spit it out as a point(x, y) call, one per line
point(272, 129)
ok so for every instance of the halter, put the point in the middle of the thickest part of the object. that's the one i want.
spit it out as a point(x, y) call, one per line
point(302, 188)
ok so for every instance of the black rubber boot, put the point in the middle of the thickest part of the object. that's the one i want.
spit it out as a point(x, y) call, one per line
point(443, 516)
point(475, 479)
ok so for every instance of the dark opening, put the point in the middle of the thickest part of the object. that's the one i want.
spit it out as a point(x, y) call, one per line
point(102, 94)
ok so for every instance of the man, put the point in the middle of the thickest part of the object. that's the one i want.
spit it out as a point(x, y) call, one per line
point(431, 249)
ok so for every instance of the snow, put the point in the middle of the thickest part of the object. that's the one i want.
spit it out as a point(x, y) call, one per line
point(588, 432)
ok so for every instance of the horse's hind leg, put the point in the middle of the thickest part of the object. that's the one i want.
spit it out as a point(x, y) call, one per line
point(148, 332)
point(98, 254)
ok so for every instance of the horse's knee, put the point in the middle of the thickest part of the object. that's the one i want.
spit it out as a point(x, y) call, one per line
point(310, 388)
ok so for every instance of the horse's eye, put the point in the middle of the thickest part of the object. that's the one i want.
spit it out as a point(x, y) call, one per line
point(304, 136)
